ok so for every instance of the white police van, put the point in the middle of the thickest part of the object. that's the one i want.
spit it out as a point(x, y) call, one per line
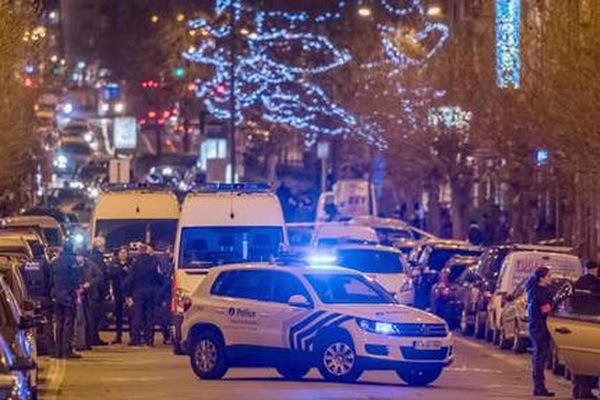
point(294, 318)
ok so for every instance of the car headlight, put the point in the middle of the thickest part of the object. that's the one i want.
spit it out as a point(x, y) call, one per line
point(61, 162)
point(382, 328)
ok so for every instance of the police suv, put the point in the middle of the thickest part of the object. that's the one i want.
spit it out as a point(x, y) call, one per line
point(295, 317)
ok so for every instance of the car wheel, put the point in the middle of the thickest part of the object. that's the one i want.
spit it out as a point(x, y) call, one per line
point(293, 372)
point(519, 344)
point(207, 356)
point(338, 360)
point(503, 342)
point(419, 376)
point(465, 328)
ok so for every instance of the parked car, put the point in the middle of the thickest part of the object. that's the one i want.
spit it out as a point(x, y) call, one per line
point(19, 331)
point(430, 261)
point(447, 293)
point(514, 333)
point(575, 329)
point(518, 266)
point(48, 226)
point(13, 374)
point(479, 293)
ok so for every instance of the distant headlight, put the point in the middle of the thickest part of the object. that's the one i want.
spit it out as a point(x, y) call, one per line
point(382, 328)
point(61, 162)
point(78, 239)
point(88, 137)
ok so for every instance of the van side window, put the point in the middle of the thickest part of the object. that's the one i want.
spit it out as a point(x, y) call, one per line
point(251, 285)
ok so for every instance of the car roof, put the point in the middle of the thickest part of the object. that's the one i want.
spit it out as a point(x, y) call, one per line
point(371, 247)
point(453, 244)
point(534, 247)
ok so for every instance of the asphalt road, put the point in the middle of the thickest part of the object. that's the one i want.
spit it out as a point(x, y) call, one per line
point(480, 371)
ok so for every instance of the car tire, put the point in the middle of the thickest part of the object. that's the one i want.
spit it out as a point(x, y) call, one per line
point(503, 342)
point(337, 359)
point(293, 372)
point(465, 328)
point(418, 376)
point(207, 356)
point(519, 344)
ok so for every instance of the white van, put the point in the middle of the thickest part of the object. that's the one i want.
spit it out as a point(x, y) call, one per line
point(132, 213)
point(47, 226)
point(223, 224)
point(517, 267)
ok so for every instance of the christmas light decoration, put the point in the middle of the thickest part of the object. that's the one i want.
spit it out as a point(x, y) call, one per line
point(508, 43)
point(276, 65)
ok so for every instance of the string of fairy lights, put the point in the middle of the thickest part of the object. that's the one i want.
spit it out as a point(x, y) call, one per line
point(278, 63)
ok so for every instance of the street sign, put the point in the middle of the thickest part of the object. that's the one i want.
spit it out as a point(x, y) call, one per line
point(323, 150)
point(119, 170)
point(125, 133)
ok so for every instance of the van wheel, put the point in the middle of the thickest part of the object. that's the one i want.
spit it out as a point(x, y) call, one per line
point(207, 356)
point(293, 372)
point(419, 376)
point(338, 360)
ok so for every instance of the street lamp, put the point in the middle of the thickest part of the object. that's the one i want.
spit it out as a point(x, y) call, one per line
point(154, 19)
point(365, 11)
point(435, 11)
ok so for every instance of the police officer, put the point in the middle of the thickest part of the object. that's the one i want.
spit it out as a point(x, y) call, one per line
point(539, 305)
point(144, 282)
point(117, 274)
point(65, 283)
point(97, 290)
point(582, 385)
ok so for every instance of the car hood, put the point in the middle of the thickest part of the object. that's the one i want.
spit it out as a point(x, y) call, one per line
point(395, 313)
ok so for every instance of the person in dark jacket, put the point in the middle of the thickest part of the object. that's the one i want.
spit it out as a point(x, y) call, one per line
point(582, 385)
point(117, 274)
point(65, 283)
point(144, 283)
point(539, 305)
point(97, 291)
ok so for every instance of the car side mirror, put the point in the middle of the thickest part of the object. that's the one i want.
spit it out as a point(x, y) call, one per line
point(23, 364)
point(299, 301)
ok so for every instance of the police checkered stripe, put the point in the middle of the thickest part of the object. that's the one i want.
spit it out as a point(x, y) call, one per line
point(303, 332)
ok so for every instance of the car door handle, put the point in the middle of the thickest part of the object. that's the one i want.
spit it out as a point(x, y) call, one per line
point(563, 330)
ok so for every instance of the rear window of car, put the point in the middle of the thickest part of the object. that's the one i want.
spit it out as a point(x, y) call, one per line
point(251, 285)
point(371, 261)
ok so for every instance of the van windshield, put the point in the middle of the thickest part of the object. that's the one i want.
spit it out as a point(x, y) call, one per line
point(53, 236)
point(205, 247)
point(159, 233)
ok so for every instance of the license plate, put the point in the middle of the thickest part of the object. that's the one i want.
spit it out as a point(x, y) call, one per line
point(428, 345)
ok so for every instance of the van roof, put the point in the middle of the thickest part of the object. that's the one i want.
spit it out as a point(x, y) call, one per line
point(137, 204)
point(231, 209)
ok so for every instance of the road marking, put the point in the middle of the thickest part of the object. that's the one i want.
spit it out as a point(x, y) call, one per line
point(56, 376)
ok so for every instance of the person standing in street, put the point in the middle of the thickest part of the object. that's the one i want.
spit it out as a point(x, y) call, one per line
point(117, 274)
point(582, 385)
point(539, 305)
point(97, 290)
point(144, 283)
point(65, 283)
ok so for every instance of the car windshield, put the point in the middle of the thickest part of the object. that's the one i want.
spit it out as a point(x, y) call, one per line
point(159, 233)
point(370, 261)
point(347, 289)
point(204, 247)
point(53, 236)
point(439, 257)
point(76, 148)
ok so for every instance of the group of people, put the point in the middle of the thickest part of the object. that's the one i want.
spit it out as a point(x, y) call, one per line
point(540, 304)
point(81, 284)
